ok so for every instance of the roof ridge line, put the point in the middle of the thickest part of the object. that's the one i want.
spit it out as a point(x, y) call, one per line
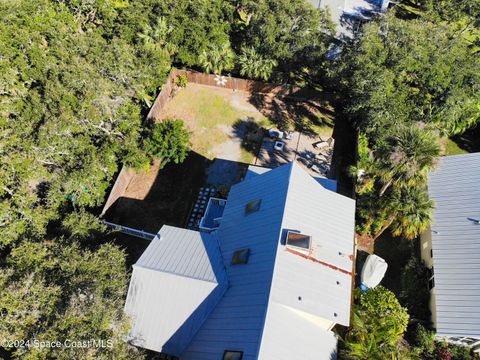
point(174, 273)
point(318, 261)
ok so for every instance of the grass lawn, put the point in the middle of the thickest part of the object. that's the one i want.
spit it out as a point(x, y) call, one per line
point(452, 148)
point(210, 113)
point(324, 131)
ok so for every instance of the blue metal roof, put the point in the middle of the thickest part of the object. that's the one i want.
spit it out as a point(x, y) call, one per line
point(293, 200)
point(175, 285)
point(237, 321)
point(276, 287)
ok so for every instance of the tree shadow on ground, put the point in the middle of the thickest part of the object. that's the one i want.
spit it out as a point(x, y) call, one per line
point(251, 134)
point(167, 200)
point(344, 155)
point(295, 111)
point(396, 251)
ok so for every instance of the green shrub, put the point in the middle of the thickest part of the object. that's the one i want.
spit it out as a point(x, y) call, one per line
point(378, 325)
point(415, 295)
point(168, 140)
point(181, 81)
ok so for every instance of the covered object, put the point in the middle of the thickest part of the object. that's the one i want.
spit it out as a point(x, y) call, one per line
point(373, 271)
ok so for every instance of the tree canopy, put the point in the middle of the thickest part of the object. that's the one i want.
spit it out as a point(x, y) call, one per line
point(408, 83)
point(76, 80)
point(413, 71)
point(378, 325)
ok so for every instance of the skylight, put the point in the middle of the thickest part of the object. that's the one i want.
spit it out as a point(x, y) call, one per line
point(298, 241)
point(252, 206)
point(232, 355)
point(240, 256)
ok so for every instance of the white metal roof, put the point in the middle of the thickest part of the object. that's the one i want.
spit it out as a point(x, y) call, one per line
point(455, 189)
point(286, 330)
point(174, 286)
point(291, 200)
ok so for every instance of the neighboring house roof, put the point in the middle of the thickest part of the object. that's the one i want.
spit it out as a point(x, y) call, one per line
point(455, 189)
point(278, 289)
point(175, 284)
point(344, 13)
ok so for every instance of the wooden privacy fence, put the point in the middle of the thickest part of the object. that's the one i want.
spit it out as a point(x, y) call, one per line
point(232, 83)
point(119, 188)
point(163, 96)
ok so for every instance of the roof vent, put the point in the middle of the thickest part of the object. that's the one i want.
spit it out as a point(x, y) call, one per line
point(252, 206)
point(299, 242)
point(240, 256)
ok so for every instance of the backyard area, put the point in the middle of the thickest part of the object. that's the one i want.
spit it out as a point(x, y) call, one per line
point(217, 119)
point(229, 132)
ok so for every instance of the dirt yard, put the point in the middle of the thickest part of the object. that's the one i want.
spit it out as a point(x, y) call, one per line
point(160, 196)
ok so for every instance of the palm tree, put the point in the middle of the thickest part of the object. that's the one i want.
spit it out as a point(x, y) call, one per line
point(378, 343)
point(405, 157)
point(156, 37)
point(217, 58)
point(416, 213)
point(410, 212)
point(254, 65)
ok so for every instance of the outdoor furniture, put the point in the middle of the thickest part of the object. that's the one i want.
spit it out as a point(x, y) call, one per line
point(320, 145)
point(279, 145)
point(316, 168)
point(321, 157)
point(320, 168)
point(288, 135)
point(275, 134)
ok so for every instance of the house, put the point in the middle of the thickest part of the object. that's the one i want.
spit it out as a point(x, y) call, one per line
point(269, 283)
point(348, 14)
point(451, 249)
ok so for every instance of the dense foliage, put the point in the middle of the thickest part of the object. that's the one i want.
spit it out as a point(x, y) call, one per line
point(425, 347)
point(290, 37)
point(413, 72)
point(378, 324)
point(168, 141)
point(76, 80)
point(71, 109)
point(58, 291)
point(409, 82)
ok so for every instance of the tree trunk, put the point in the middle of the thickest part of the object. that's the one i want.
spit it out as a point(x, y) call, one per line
point(385, 187)
point(384, 227)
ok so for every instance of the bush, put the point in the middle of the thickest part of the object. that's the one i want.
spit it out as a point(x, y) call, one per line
point(181, 81)
point(415, 295)
point(427, 348)
point(168, 140)
point(378, 325)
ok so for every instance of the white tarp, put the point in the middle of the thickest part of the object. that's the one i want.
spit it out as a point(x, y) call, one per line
point(373, 271)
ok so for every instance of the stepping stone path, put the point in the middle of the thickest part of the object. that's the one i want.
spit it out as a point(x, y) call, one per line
point(200, 206)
